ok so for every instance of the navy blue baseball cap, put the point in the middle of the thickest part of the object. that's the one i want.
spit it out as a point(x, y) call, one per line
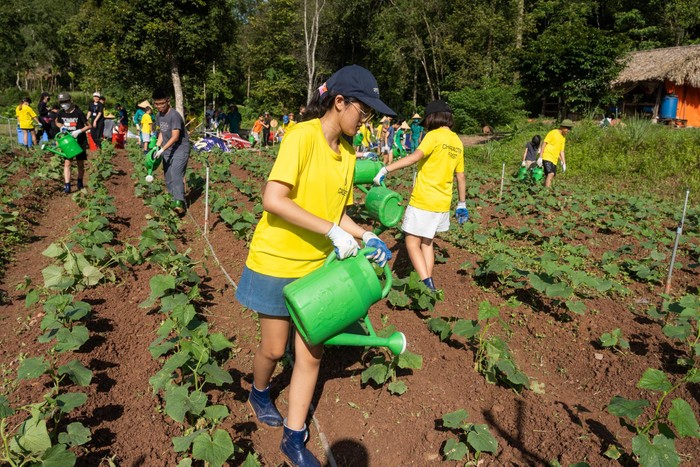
point(435, 107)
point(355, 81)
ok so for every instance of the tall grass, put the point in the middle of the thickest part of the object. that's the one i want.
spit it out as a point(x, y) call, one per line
point(639, 156)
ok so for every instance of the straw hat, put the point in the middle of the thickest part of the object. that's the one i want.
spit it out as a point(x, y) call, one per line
point(384, 119)
point(144, 104)
point(109, 116)
point(404, 126)
point(416, 115)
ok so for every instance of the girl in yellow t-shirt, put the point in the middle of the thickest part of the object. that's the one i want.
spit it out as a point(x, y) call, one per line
point(304, 220)
point(26, 117)
point(146, 128)
point(440, 157)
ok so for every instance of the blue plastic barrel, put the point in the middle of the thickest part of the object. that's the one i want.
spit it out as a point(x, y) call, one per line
point(669, 107)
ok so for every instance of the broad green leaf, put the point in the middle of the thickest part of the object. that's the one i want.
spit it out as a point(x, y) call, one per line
point(169, 302)
point(31, 298)
point(179, 401)
point(32, 436)
point(71, 400)
point(683, 418)
point(215, 450)
point(53, 275)
point(454, 450)
point(660, 453)
point(216, 412)
point(91, 275)
point(5, 409)
point(487, 311)
point(76, 435)
point(397, 387)
point(398, 298)
point(186, 462)
point(440, 326)
point(32, 368)
point(57, 456)
point(76, 372)
point(71, 339)
point(559, 290)
point(575, 306)
point(183, 314)
point(612, 452)
point(481, 439)
point(379, 372)
point(466, 328)
point(215, 375)
point(251, 460)
point(539, 282)
point(53, 251)
point(410, 360)
point(455, 419)
point(693, 376)
point(677, 331)
point(219, 342)
point(183, 443)
point(655, 380)
point(608, 340)
point(621, 407)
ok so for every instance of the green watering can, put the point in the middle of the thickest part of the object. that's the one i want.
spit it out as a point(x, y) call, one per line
point(365, 171)
point(537, 174)
point(383, 205)
point(325, 302)
point(152, 162)
point(522, 174)
point(66, 146)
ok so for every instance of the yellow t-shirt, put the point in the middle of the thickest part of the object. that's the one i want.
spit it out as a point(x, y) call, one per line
point(26, 116)
point(443, 156)
point(321, 182)
point(555, 145)
point(146, 123)
point(366, 135)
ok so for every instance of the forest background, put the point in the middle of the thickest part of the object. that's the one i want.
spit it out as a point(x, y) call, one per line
point(494, 60)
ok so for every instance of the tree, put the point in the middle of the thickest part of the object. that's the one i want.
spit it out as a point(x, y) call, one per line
point(312, 19)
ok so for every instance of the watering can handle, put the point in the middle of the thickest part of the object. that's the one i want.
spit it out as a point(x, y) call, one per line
point(387, 270)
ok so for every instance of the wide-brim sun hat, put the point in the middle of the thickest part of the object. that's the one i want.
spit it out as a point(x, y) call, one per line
point(144, 104)
point(416, 116)
point(109, 116)
point(566, 123)
point(404, 126)
point(435, 107)
point(355, 81)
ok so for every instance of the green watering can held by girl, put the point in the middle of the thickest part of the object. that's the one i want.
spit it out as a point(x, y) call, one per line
point(324, 303)
point(66, 146)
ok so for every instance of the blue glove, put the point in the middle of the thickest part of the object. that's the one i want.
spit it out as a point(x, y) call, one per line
point(381, 254)
point(461, 213)
point(379, 178)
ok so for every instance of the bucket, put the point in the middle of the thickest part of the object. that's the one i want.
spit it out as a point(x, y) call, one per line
point(384, 205)
point(669, 107)
point(366, 170)
point(537, 174)
point(325, 302)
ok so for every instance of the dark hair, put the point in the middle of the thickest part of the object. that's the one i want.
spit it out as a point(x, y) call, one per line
point(44, 95)
point(55, 107)
point(536, 141)
point(319, 105)
point(160, 93)
point(28, 100)
point(438, 119)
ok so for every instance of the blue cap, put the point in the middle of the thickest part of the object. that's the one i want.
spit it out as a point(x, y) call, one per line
point(355, 81)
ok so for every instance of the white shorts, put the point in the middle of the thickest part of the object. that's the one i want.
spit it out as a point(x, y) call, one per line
point(256, 136)
point(423, 223)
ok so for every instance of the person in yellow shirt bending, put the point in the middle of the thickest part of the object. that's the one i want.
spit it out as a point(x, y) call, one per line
point(553, 150)
point(440, 158)
point(304, 220)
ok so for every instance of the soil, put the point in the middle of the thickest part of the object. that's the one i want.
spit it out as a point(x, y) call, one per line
point(364, 425)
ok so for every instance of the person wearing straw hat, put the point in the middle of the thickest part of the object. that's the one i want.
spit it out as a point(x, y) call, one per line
point(138, 115)
point(304, 220)
point(95, 116)
point(440, 158)
point(146, 128)
point(552, 151)
point(416, 131)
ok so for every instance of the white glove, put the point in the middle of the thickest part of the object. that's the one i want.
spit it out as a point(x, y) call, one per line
point(524, 164)
point(563, 167)
point(379, 178)
point(75, 133)
point(539, 162)
point(344, 244)
point(159, 152)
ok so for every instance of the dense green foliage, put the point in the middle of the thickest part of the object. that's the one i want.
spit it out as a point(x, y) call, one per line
point(253, 51)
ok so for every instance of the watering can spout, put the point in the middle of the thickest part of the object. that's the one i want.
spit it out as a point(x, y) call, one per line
point(396, 342)
point(53, 149)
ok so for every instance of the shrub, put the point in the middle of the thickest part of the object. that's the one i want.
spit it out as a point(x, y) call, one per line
point(493, 104)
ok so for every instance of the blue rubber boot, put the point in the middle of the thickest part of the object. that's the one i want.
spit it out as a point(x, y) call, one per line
point(429, 283)
point(292, 446)
point(66, 188)
point(263, 407)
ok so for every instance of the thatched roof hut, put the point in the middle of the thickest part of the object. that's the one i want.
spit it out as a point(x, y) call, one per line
point(672, 70)
point(680, 65)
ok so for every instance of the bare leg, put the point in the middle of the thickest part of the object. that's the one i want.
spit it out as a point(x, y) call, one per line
point(66, 171)
point(548, 180)
point(25, 135)
point(307, 362)
point(426, 248)
point(274, 332)
point(415, 252)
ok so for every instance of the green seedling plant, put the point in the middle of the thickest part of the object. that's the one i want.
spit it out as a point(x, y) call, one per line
point(472, 440)
point(382, 369)
point(614, 340)
point(661, 449)
point(413, 294)
point(681, 320)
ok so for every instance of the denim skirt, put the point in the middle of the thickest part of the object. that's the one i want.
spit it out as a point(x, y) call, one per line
point(262, 293)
